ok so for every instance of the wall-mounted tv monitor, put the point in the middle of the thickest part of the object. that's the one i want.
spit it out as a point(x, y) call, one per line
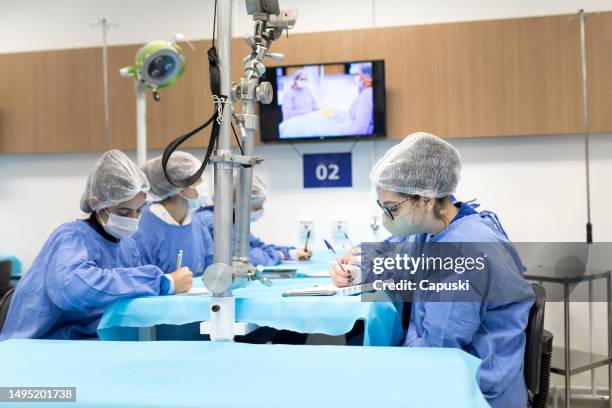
point(325, 101)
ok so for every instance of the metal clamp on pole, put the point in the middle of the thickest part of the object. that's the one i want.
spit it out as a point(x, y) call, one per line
point(270, 23)
point(237, 160)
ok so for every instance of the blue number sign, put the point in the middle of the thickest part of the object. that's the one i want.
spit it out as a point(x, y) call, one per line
point(328, 170)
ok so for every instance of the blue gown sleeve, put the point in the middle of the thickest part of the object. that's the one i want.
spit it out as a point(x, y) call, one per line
point(289, 105)
point(263, 254)
point(361, 114)
point(75, 283)
point(209, 246)
point(285, 250)
point(314, 104)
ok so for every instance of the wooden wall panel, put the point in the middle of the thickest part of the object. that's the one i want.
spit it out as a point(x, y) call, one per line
point(475, 79)
point(599, 63)
point(49, 102)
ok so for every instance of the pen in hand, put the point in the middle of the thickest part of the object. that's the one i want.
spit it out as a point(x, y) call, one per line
point(179, 260)
point(306, 244)
point(328, 245)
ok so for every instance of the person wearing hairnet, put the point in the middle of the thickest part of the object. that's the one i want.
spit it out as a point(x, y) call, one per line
point(414, 181)
point(361, 110)
point(298, 99)
point(167, 225)
point(260, 253)
point(87, 264)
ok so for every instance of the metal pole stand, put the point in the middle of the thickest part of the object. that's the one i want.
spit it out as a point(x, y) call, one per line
point(228, 273)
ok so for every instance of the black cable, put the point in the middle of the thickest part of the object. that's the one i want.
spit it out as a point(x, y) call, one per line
point(176, 143)
point(214, 24)
point(237, 140)
point(214, 120)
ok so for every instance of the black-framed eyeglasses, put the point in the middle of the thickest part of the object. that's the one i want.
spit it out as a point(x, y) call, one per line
point(389, 210)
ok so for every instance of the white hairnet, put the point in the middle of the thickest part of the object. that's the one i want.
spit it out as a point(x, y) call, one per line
point(259, 191)
point(259, 188)
point(180, 166)
point(422, 164)
point(364, 68)
point(114, 179)
point(297, 74)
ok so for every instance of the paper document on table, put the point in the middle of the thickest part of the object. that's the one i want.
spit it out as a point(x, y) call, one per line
point(315, 274)
point(195, 292)
point(329, 290)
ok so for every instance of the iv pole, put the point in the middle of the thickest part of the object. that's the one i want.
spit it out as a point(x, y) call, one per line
point(106, 26)
point(589, 226)
point(585, 107)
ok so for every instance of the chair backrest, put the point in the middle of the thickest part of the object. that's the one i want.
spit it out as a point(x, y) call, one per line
point(5, 302)
point(535, 333)
point(6, 268)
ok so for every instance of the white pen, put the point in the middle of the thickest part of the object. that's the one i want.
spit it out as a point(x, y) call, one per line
point(179, 259)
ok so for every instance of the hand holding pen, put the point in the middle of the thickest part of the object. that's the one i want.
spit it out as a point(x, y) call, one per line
point(182, 277)
point(305, 254)
point(341, 274)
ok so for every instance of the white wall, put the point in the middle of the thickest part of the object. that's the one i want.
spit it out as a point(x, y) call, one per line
point(536, 184)
point(42, 25)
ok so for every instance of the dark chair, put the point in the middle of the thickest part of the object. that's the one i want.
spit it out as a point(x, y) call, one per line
point(6, 268)
point(5, 302)
point(538, 351)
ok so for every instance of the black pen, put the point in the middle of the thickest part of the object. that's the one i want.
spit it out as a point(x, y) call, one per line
point(306, 244)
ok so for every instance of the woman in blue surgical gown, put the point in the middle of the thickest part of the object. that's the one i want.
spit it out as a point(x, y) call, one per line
point(298, 99)
point(87, 264)
point(361, 111)
point(414, 181)
point(167, 225)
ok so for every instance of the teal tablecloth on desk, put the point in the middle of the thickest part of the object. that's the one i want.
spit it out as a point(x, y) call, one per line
point(331, 315)
point(208, 374)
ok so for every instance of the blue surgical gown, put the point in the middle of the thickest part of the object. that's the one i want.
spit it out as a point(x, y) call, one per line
point(160, 242)
point(77, 273)
point(491, 331)
point(260, 253)
point(361, 112)
point(298, 102)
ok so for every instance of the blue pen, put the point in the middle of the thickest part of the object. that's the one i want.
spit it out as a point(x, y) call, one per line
point(328, 245)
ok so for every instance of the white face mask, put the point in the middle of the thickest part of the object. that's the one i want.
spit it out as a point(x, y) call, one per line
point(120, 227)
point(402, 225)
point(196, 203)
point(256, 215)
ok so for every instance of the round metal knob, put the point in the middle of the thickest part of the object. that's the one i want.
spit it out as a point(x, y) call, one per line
point(265, 93)
point(218, 278)
point(236, 91)
point(260, 68)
